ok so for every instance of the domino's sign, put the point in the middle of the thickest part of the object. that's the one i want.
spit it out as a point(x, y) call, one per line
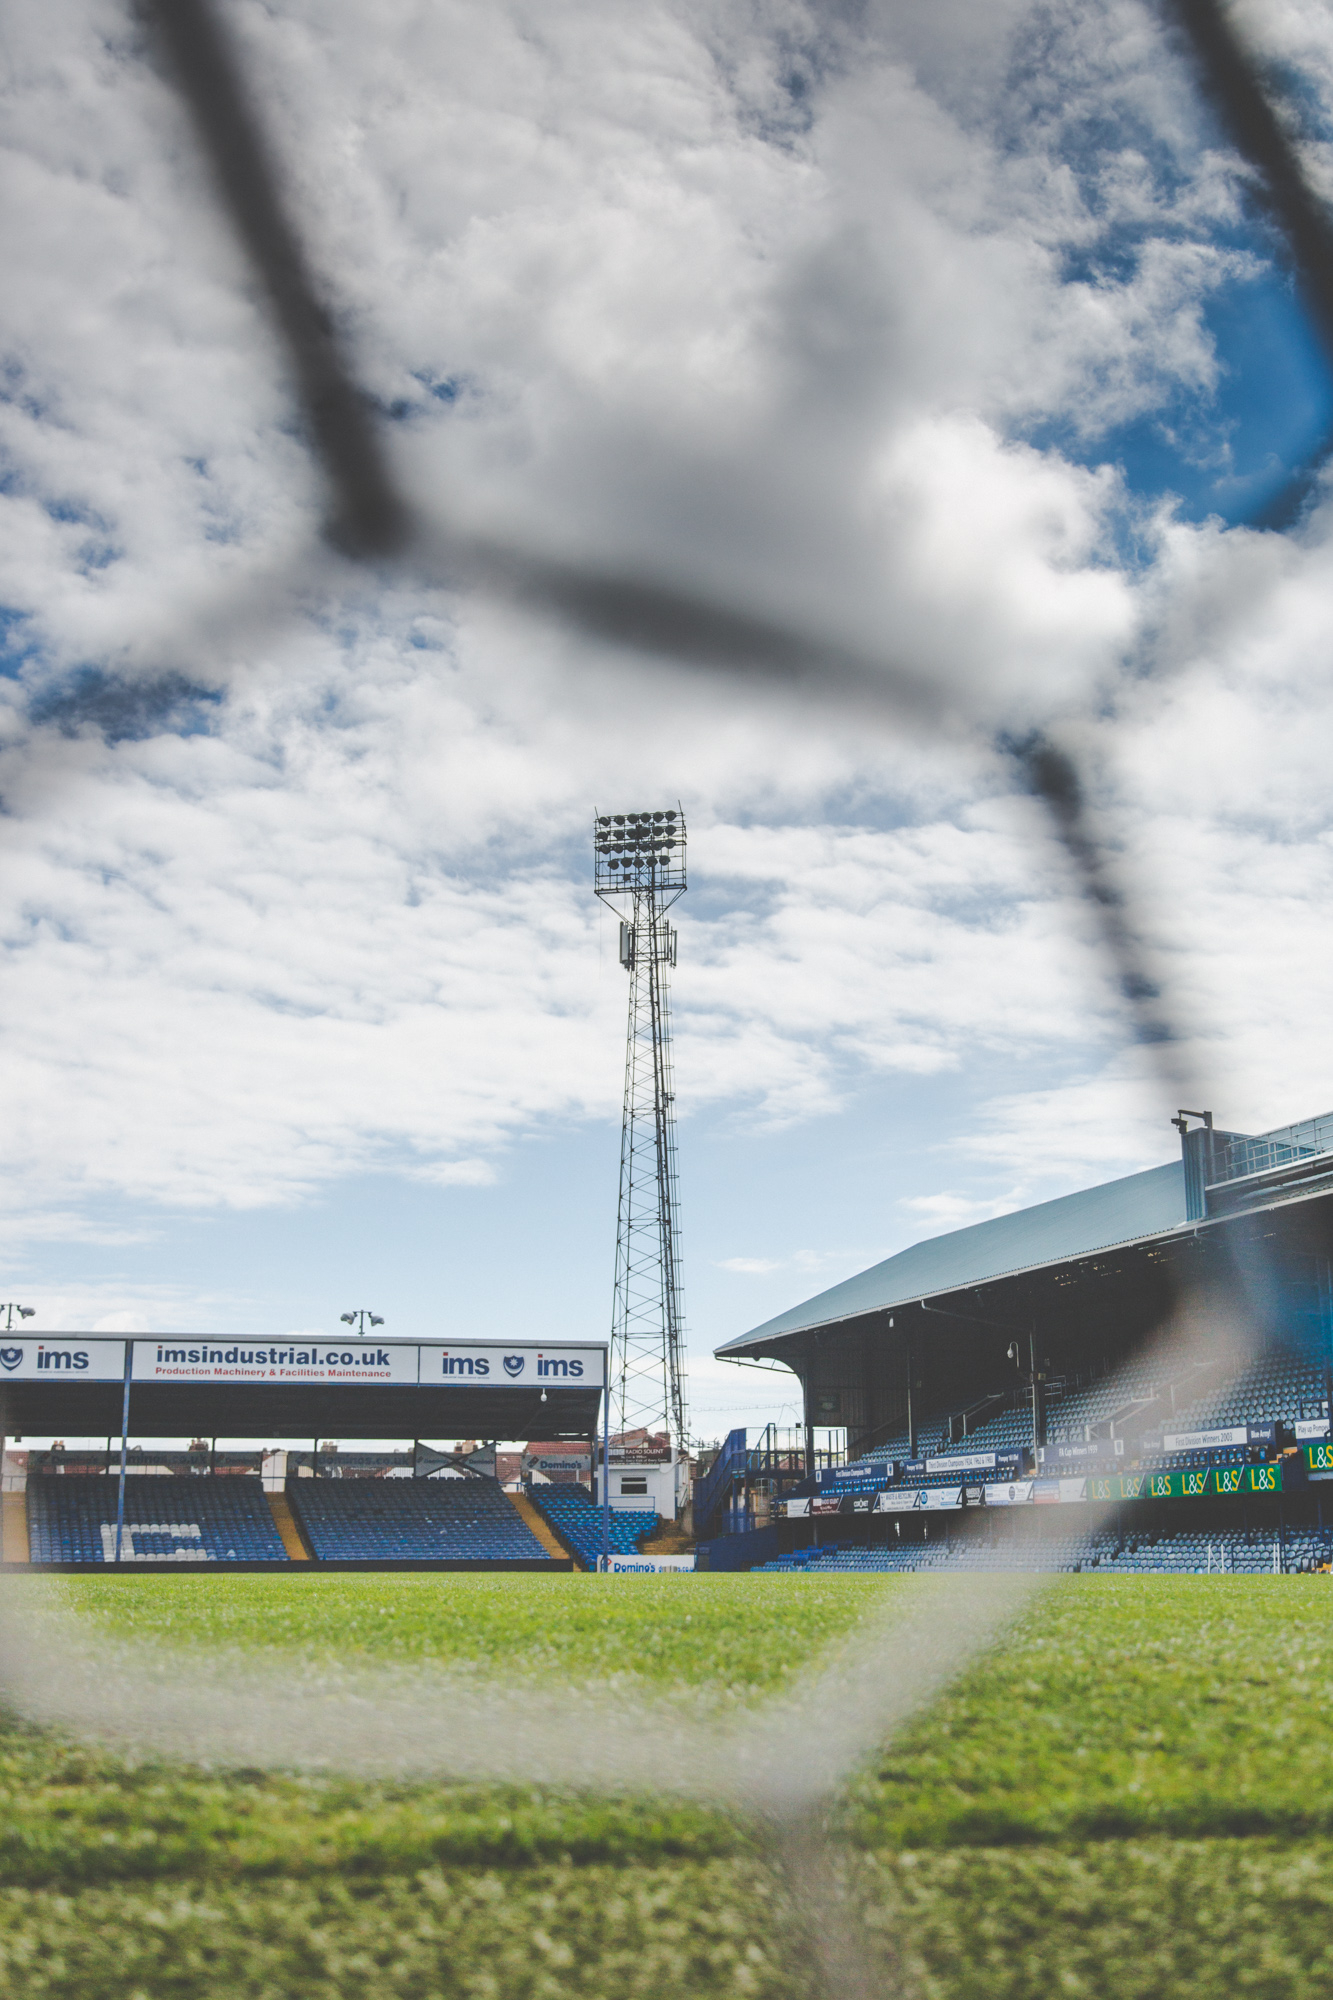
point(55, 1360)
point(646, 1565)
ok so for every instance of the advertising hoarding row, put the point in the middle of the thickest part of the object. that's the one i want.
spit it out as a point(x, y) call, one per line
point(195, 1358)
point(1204, 1482)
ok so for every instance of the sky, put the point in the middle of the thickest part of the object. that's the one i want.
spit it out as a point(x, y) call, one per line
point(947, 333)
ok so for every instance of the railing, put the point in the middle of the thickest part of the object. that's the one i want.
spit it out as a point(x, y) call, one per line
point(1243, 1155)
point(730, 1464)
point(770, 1462)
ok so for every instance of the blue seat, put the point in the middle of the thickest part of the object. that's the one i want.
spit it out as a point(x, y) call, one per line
point(412, 1520)
point(218, 1518)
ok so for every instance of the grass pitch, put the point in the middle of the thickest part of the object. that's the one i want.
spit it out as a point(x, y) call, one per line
point(1130, 1794)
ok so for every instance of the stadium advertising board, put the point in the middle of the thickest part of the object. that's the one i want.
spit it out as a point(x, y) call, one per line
point(1016, 1494)
point(1318, 1458)
point(493, 1366)
point(1053, 1457)
point(1048, 1491)
point(1206, 1440)
point(1217, 1440)
point(972, 1461)
point(918, 1499)
point(1206, 1482)
point(198, 1359)
point(646, 1565)
point(50, 1360)
point(1310, 1427)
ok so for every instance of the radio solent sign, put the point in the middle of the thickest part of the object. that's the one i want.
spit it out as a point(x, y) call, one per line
point(61, 1360)
point(186, 1359)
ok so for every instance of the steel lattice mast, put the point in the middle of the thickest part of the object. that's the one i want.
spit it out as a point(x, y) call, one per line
point(640, 873)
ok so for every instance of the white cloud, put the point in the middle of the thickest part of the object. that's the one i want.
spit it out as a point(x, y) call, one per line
point(795, 346)
point(939, 1213)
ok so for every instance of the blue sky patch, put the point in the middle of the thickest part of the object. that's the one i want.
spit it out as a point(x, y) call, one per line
point(1247, 453)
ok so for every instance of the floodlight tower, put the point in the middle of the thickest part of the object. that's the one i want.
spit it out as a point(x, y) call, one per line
point(640, 872)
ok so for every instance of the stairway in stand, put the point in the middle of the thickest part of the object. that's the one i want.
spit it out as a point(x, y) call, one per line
point(542, 1529)
point(285, 1523)
point(14, 1548)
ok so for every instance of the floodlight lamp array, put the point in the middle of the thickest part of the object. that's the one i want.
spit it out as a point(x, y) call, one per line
point(640, 849)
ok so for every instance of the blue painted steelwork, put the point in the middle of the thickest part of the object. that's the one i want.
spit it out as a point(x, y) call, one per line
point(719, 1507)
point(124, 1447)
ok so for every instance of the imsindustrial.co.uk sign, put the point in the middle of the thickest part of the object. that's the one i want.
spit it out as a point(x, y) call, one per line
point(195, 1359)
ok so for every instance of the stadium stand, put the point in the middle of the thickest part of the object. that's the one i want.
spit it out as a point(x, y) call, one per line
point(167, 1520)
point(1282, 1386)
point(1111, 1552)
point(578, 1522)
point(412, 1520)
point(1279, 1387)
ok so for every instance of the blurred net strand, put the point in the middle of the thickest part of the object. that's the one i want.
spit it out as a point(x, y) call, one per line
point(789, 1763)
point(1230, 79)
point(782, 1765)
point(1053, 777)
point(370, 518)
point(784, 1759)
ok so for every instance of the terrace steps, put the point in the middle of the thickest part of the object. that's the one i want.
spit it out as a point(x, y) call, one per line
point(545, 1534)
point(285, 1522)
point(14, 1542)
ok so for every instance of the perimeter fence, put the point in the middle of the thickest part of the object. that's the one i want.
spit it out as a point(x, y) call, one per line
point(784, 1766)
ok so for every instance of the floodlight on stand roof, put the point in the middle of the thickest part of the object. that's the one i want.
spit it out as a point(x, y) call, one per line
point(358, 1319)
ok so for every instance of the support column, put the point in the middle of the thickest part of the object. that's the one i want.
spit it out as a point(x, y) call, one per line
point(124, 1446)
point(606, 1470)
